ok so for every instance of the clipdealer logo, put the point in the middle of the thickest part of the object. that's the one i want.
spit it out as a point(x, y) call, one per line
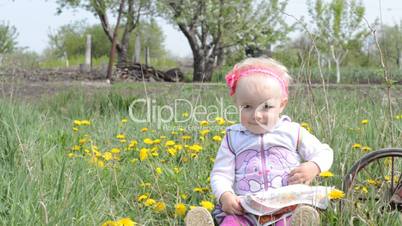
point(147, 110)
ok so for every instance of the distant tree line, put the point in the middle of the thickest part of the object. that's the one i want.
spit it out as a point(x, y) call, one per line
point(222, 32)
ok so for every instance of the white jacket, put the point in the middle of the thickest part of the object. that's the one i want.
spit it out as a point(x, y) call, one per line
point(249, 163)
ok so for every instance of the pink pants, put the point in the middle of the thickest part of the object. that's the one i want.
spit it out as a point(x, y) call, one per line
point(235, 220)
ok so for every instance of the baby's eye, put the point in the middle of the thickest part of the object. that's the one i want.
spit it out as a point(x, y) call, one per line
point(267, 106)
point(246, 106)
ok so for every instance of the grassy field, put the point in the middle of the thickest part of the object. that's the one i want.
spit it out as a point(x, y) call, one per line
point(76, 157)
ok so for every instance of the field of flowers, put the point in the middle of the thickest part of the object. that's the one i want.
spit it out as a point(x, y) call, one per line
point(82, 157)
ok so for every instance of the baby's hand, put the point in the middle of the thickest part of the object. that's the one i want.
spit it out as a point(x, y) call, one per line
point(231, 204)
point(304, 173)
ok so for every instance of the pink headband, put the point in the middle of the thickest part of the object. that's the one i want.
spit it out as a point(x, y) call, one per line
point(233, 76)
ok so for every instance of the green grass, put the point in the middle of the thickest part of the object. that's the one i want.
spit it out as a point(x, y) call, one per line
point(41, 185)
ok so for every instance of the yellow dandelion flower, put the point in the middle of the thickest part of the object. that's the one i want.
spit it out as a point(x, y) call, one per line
point(145, 129)
point(204, 123)
point(184, 159)
point(204, 132)
point(185, 114)
point(85, 123)
point(100, 163)
point(148, 141)
point(149, 202)
point(75, 129)
point(160, 207)
point(71, 155)
point(207, 205)
point(115, 150)
point(198, 190)
point(125, 222)
point(155, 154)
point(184, 196)
point(212, 159)
point(220, 121)
point(142, 197)
point(195, 148)
point(336, 194)
point(357, 146)
point(186, 137)
point(326, 174)
point(124, 120)
point(176, 170)
point(132, 144)
point(171, 151)
point(366, 148)
point(364, 189)
point(83, 141)
point(156, 141)
point(170, 143)
point(123, 141)
point(178, 147)
point(158, 170)
point(180, 209)
point(174, 133)
point(364, 121)
point(107, 156)
point(373, 182)
point(143, 154)
point(77, 122)
point(181, 130)
point(305, 125)
point(223, 132)
point(76, 148)
point(120, 136)
point(192, 207)
point(217, 138)
point(109, 223)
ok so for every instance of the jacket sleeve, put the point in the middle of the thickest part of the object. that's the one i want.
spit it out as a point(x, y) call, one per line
point(311, 149)
point(223, 172)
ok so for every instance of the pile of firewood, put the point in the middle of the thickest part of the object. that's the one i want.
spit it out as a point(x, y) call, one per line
point(142, 72)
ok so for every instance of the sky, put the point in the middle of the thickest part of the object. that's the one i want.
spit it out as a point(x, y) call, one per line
point(34, 19)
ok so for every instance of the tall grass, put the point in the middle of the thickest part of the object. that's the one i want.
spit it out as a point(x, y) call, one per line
point(41, 185)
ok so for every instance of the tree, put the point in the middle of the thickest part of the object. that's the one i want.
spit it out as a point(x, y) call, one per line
point(212, 26)
point(132, 12)
point(390, 38)
point(8, 36)
point(70, 38)
point(338, 27)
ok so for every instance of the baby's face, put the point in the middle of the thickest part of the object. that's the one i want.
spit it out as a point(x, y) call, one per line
point(260, 102)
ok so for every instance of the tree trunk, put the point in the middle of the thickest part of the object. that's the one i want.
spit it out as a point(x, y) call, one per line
point(202, 68)
point(220, 58)
point(338, 72)
point(113, 48)
point(125, 40)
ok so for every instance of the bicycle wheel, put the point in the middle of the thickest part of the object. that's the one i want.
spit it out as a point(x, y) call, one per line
point(375, 181)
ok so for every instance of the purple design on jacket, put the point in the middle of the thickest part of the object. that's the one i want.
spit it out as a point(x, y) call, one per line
point(278, 163)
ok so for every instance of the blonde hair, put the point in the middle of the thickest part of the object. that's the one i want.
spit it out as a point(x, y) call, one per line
point(266, 62)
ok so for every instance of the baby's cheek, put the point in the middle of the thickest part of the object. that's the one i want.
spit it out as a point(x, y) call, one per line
point(244, 116)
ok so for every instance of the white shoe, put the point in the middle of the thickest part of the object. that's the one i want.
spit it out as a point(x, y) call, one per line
point(199, 216)
point(305, 215)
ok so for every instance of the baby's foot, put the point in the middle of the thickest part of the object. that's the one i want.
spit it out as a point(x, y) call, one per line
point(305, 215)
point(199, 216)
